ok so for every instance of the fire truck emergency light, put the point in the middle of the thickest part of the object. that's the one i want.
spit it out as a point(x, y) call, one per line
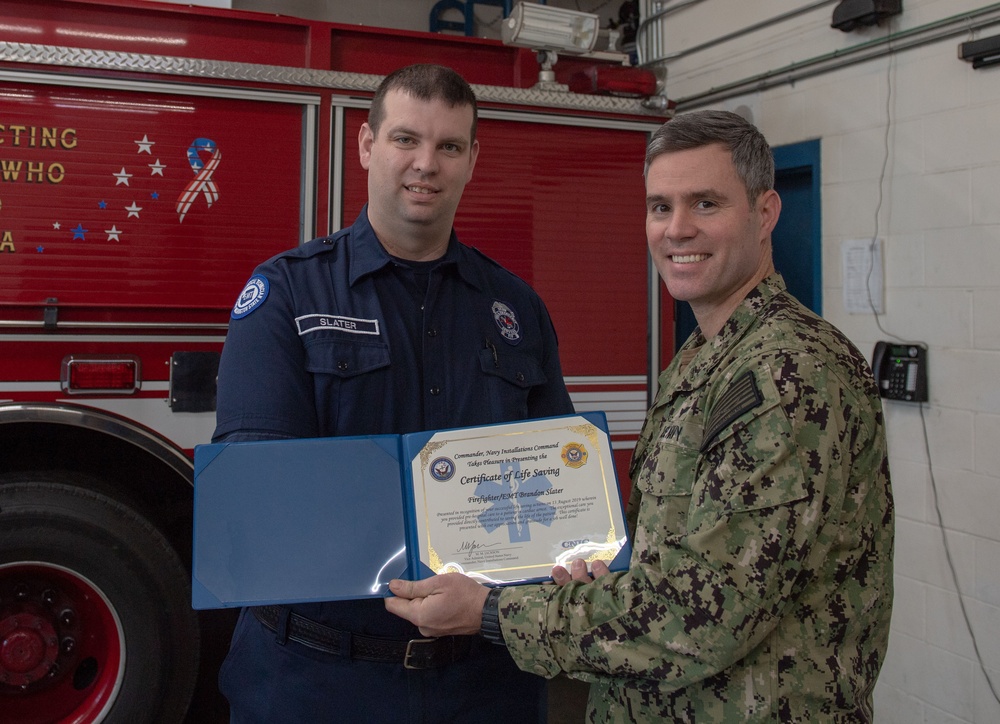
point(96, 374)
point(541, 27)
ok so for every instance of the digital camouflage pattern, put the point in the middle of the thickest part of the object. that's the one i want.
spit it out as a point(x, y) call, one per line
point(760, 585)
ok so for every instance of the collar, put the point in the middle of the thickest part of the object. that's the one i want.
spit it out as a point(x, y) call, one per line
point(707, 359)
point(367, 255)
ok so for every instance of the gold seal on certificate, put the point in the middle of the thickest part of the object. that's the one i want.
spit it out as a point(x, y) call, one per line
point(505, 503)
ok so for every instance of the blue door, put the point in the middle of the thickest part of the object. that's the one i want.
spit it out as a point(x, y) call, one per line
point(797, 238)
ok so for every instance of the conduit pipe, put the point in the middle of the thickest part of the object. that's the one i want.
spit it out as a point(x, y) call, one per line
point(722, 39)
point(828, 62)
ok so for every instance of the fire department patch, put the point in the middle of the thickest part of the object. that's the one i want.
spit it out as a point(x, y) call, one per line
point(574, 455)
point(507, 322)
point(252, 296)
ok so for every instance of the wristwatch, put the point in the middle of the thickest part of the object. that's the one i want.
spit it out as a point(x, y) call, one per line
point(489, 629)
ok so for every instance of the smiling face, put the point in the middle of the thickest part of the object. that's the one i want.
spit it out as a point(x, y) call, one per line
point(418, 165)
point(710, 246)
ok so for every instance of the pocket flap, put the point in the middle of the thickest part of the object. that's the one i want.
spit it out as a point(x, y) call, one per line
point(517, 369)
point(345, 359)
point(671, 463)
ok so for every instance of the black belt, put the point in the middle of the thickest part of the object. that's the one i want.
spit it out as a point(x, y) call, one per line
point(413, 654)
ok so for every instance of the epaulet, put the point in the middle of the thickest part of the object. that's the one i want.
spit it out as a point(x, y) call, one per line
point(319, 245)
point(495, 264)
point(482, 255)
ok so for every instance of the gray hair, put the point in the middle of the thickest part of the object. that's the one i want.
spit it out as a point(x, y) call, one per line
point(750, 151)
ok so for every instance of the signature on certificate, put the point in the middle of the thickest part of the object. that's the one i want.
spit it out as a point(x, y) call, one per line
point(471, 545)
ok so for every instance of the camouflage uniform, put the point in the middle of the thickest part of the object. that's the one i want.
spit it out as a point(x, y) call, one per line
point(760, 585)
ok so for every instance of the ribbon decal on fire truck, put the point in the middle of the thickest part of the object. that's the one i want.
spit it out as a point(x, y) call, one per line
point(202, 182)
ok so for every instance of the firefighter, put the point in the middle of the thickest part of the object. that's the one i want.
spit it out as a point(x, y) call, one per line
point(390, 326)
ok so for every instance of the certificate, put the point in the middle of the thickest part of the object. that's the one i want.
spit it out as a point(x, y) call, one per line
point(506, 503)
point(327, 519)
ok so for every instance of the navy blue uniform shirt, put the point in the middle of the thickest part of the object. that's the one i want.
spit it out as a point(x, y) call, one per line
point(338, 338)
point(336, 344)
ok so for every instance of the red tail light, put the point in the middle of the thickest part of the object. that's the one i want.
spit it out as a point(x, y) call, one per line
point(108, 375)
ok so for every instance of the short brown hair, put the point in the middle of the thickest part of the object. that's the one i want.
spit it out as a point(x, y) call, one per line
point(426, 82)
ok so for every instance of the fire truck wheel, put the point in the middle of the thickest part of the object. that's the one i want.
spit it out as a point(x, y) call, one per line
point(95, 616)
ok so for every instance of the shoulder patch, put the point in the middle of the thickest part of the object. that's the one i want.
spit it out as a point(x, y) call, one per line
point(741, 397)
point(252, 296)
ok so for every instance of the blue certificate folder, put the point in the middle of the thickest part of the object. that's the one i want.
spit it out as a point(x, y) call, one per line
point(318, 519)
point(288, 521)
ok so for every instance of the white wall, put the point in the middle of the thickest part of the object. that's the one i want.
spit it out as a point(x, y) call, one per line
point(940, 221)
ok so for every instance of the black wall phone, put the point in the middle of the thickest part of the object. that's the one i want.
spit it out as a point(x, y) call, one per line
point(901, 371)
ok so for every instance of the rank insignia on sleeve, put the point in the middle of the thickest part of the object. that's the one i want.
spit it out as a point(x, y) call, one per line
point(507, 322)
point(252, 296)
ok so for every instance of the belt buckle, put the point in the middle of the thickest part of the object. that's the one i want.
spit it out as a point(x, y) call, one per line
point(410, 653)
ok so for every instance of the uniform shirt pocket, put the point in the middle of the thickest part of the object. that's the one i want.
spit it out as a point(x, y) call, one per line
point(347, 376)
point(516, 369)
point(345, 359)
point(510, 377)
point(667, 477)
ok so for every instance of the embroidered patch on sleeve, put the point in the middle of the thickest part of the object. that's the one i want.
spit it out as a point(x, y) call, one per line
point(742, 396)
point(252, 296)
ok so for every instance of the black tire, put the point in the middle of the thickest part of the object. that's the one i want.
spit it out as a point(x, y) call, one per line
point(64, 538)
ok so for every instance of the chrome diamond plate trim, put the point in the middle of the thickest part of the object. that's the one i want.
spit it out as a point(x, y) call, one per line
point(554, 99)
point(62, 56)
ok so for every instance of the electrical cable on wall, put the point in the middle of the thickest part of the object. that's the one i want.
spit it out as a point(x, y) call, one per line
point(878, 206)
point(593, 6)
point(923, 421)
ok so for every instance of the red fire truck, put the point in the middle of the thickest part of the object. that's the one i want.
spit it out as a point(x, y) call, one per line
point(150, 156)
